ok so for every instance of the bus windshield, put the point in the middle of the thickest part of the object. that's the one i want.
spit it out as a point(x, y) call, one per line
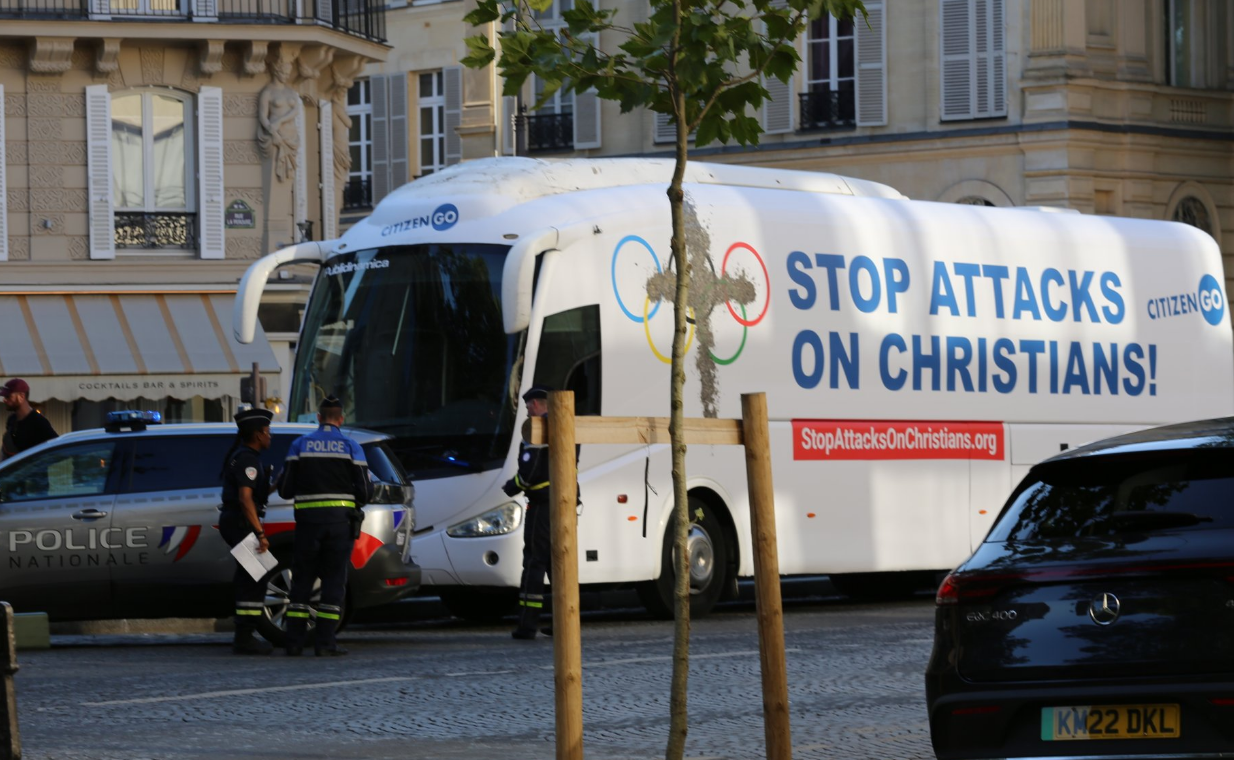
point(410, 338)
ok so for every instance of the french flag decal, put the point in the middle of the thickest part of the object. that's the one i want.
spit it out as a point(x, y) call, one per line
point(179, 539)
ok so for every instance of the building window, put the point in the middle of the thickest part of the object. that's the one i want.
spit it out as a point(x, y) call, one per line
point(1189, 23)
point(974, 200)
point(829, 100)
point(551, 127)
point(1191, 210)
point(972, 59)
point(153, 170)
point(432, 123)
point(359, 190)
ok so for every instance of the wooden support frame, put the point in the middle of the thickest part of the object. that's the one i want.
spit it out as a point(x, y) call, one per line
point(561, 430)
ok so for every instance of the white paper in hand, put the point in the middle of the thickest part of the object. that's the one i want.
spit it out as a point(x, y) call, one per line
point(256, 564)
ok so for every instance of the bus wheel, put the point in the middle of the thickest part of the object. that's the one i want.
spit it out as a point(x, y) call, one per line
point(709, 566)
point(479, 606)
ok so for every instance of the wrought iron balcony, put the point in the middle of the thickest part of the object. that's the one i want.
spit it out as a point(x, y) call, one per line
point(362, 18)
point(828, 109)
point(550, 131)
point(157, 229)
point(358, 193)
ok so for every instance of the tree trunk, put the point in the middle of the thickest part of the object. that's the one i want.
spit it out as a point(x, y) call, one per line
point(678, 723)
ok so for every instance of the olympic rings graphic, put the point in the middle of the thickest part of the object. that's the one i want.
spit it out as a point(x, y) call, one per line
point(766, 278)
point(650, 342)
point(613, 268)
point(649, 311)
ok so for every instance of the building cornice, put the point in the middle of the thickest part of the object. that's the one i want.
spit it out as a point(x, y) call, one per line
point(47, 32)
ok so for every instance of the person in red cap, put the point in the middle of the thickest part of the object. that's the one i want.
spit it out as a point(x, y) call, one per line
point(26, 427)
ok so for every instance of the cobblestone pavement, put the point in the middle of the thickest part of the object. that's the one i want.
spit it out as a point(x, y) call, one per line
point(442, 689)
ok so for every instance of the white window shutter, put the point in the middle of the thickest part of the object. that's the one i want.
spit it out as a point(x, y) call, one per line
point(213, 240)
point(665, 132)
point(100, 10)
point(778, 111)
point(98, 150)
point(329, 205)
point(958, 64)
point(586, 120)
point(4, 206)
point(379, 91)
point(205, 10)
point(398, 131)
point(872, 65)
point(998, 58)
point(587, 111)
point(325, 11)
point(509, 109)
point(452, 77)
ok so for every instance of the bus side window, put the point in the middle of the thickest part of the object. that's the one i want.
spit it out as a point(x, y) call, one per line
point(569, 356)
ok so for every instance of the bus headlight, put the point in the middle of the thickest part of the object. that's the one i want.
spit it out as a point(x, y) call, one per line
point(495, 522)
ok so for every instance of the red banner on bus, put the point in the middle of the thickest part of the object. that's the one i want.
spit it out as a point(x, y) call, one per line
point(884, 439)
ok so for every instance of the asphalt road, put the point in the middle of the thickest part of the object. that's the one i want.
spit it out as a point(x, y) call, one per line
point(439, 688)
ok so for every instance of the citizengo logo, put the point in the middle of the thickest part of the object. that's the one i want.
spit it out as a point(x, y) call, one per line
point(1212, 300)
point(445, 217)
point(1208, 300)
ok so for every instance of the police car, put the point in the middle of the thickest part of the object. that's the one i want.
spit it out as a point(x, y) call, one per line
point(121, 522)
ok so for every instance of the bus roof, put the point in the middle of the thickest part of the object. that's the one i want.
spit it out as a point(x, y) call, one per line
point(526, 179)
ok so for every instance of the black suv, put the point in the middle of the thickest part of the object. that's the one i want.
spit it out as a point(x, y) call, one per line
point(122, 522)
point(1097, 618)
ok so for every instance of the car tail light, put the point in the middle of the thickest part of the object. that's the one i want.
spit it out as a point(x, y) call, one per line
point(983, 710)
point(957, 587)
point(1222, 701)
point(396, 581)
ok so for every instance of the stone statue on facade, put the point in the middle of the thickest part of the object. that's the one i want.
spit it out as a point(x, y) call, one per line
point(277, 134)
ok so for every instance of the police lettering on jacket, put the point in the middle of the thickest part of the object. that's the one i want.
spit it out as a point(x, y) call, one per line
point(325, 468)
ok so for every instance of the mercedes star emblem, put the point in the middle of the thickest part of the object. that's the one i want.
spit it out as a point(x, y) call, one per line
point(1104, 609)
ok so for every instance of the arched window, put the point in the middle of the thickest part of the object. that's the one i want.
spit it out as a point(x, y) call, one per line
point(153, 169)
point(1191, 210)
point(974, 200)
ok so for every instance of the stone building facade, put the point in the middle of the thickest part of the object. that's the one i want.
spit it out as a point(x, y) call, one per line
point(1122, 107)
point(152, 150)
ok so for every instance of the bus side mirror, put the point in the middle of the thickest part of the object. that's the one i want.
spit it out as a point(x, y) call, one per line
point(517, 276)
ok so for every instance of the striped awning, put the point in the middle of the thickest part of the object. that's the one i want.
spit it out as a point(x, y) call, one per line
point(127, 345)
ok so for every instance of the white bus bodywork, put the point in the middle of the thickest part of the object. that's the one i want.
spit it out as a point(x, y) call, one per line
point(917, 357)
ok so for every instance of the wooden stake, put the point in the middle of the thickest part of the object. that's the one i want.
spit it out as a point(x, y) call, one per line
point(567, 643)
point(766, 577)
point(10, 738)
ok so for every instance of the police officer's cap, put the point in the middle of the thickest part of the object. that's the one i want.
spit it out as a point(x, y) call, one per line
point(536, 391)
point(329, 402)
point(252, 419)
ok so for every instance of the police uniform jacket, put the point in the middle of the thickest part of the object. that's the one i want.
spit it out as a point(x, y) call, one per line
point(327, 476)
point(532, 476)
point(243, 469)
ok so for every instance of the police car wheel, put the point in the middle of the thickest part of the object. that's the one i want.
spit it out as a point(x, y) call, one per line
point(273, 623)
point(709, 551)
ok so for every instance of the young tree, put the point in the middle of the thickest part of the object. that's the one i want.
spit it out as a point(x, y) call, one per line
point(703, 64)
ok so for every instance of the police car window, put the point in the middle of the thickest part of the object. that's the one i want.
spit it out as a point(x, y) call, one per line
point(178, 462)
point(569, 356)
point(64, 472)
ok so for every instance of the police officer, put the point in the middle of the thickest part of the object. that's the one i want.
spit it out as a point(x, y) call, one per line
point(532, 480)
point(327, 477)
point(246, 487)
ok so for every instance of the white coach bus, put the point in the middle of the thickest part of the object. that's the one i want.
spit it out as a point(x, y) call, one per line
point(917, 358)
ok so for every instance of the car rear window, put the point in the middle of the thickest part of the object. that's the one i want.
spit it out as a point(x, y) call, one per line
point(1102, 496)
